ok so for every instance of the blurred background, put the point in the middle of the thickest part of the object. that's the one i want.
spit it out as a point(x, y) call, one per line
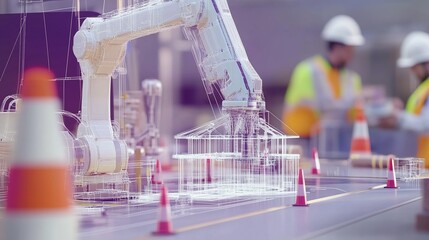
point(277, 34)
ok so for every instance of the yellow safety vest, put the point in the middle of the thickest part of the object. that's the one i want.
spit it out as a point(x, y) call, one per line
point(414, 106)
point(314, 86)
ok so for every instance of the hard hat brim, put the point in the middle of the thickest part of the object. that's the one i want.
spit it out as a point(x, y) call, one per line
point(354, 41)
point(405, 63)
point(409, 62)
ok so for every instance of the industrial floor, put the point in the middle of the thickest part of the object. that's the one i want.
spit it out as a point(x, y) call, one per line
point(345, 203)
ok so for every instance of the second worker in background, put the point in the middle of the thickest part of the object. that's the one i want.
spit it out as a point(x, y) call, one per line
point(415, 117)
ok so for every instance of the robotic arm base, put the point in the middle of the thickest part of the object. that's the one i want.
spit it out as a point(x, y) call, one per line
point(101, 156)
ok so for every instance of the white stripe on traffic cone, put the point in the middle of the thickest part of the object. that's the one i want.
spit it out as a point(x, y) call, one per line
point(391, 176)
point(38, 205)
point(164, 226)
point(361, 144)
point(316, 163)
point(301, 195)
point(156, 175)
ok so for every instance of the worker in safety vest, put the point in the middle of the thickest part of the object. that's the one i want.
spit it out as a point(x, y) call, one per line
point(415, 56)
point(323, 84)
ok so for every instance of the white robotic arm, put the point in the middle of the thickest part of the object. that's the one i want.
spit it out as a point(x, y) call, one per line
point(100, 47)
point(222, 59)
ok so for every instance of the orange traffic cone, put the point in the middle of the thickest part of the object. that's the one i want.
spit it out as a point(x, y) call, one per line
point(208, 171)
point(164, 226)
point(39, 204)
point(391, 176)
point(156, 175)
point(301, 196)
point(360, 142)
point(316, 163)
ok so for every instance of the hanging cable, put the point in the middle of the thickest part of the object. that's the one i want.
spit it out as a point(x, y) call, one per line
point(21, 64)
point(46, 35)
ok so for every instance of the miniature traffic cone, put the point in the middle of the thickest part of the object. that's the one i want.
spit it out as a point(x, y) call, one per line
point(391, 176)
point(156, 175)
point(39, 204)
point(316, 163)
point(164, 226)
point(208, 170)
point(360, 141)
point(301, 196)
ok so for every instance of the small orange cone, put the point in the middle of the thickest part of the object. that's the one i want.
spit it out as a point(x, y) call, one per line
point(360, 141)
point(391, 176)
point(156, 175)
point(39, 197)
point(208, 170)
point(316, 163)
point(164, 226)
point(301, 196)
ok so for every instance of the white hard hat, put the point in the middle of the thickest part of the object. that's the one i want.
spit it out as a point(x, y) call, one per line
point(414, 49)
point(343, 29)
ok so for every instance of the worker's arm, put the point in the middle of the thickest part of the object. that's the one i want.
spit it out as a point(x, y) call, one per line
point(417, 123)
point(299, 114)
point(300, 87)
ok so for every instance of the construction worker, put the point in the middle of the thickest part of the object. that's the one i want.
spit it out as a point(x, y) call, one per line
point(323, 85)
point(415, 56)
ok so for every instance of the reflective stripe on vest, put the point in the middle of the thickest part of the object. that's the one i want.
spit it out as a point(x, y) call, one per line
point(418, 98)
point(324, 92)
point(414, 106)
